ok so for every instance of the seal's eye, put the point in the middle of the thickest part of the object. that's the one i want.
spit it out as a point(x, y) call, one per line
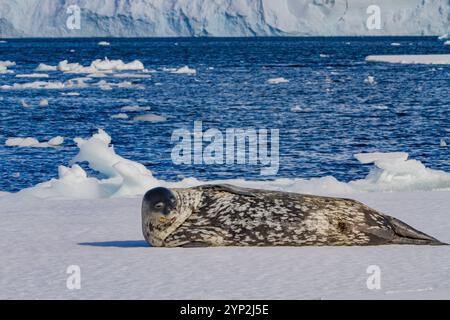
point(159, 205)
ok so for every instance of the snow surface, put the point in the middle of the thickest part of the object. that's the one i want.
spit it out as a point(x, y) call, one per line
point(39, 239)
point(412, 59)
point(20, 18)
point(96, 224)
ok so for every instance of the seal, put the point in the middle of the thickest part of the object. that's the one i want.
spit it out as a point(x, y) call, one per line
point(226, 215)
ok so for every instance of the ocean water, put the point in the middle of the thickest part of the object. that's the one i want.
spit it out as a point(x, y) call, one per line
point(338, 113)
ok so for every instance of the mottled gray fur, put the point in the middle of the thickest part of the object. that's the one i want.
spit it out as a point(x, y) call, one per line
point(224, 215)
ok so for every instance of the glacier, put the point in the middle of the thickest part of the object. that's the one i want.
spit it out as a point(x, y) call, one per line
point(171, 18)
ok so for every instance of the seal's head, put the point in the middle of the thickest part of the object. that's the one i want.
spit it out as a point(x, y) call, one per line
point(164, 210)
point(159, 206)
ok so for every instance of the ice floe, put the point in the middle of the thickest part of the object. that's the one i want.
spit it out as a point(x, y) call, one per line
point(277, 80)
point(123, 177)
point(45, 67)
point(32, 75)
point(103, 43)
point(443, 143)
point(446, 43)
point(100, 66)
point(444, 36)
point(43, 103)
point(119, 116)
point(411, 59)
point(7, 63)
point(33, 142)
point(370, 80)
point(182, 70)
point(150, 118)
point(134, 108)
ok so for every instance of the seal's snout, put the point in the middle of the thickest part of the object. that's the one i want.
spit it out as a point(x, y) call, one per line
point(159, 201)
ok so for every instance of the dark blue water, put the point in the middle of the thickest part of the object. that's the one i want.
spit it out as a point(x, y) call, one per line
point(407, 110)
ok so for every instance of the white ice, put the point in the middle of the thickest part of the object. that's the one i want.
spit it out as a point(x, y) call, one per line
point(277, 80)
point(412, 59)
point(150, 118)
point(182, 70)
point(134, 108)
point(45, 67)
point(120, 116)
point(103, 43)
point(32, 75)
point(33, 142)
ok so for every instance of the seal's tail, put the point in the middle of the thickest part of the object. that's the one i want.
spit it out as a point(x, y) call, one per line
point(405, 234)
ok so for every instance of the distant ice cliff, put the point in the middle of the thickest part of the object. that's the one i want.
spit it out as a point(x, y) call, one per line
point(128, 18)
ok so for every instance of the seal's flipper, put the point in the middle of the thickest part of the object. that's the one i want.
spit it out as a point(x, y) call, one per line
point(229, 188)
point(195, 244)
point(405, 234)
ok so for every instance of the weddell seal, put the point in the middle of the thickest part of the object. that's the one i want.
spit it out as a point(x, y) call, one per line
point(226, 215)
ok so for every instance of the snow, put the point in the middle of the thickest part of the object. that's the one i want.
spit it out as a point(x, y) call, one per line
point(95, 223)
point(150, 118)
point(103, 237)
point(277, 80)
point(137, 18)
point(412, 59)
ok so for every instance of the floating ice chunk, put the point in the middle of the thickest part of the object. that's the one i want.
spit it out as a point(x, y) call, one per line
point(443, 143)
point(120, 116)
point(277, 80)
point(33, 142)
point(56, 141)
point(7, 63)
point(366, 158)
point(182, 70)
point(131, 75)
point(395, 44)
point(150, 118)
point(32, 75)
point(393, 172)
point(412, 59)
point(103, 43)
point(4, 70)
point(45, 67)
point(21, 142)
point(71, 94)
point(24, 103)
point(446, 43)
point(444, 36)
point(324, 55)
point(43, 103)
point(35, 85)
point(134, 108)
point(370, 80)
point(3, 41)
point(298, 108)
